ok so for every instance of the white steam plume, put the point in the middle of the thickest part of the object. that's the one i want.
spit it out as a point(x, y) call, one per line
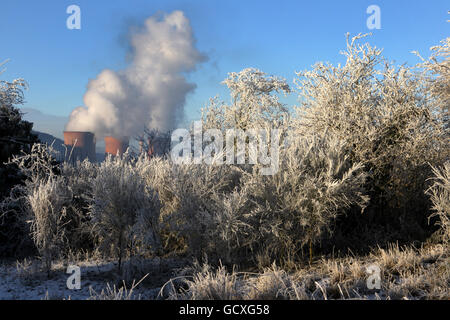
point(152, 91)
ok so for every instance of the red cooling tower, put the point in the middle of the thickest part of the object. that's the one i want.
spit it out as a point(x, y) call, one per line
point(114, 145)
point(80, 145)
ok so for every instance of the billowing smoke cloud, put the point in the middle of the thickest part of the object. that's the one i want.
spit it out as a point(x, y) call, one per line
point(152, 91)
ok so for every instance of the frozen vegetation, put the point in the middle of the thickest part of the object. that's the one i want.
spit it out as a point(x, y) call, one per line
point(363, 179)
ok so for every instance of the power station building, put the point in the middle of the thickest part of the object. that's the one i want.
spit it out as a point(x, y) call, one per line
point(116, 146)
point(81, 145)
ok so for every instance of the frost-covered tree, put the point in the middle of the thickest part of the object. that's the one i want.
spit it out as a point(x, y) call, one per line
point(15, 137)
point(188, 194)
point(15, 133)
point(279, 214)
point(41, 204)
point(437, 75)
point(254, 102)
point(124, 211)
point(254, 105)
point(58, 204)
point(389, 120)
point(231, 213)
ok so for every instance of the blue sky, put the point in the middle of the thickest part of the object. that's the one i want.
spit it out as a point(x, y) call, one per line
point(278, 37)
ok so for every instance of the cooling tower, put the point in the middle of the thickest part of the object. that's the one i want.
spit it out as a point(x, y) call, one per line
point(80, 145)
point(114, 145)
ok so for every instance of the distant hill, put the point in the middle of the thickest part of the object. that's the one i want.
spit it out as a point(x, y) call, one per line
point(43, 122)
point(48, 138)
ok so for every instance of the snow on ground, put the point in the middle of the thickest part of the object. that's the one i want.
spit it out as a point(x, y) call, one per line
point(27, 282)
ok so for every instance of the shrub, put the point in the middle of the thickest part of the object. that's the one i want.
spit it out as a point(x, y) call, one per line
point(15, 133)
point(124, 211)
point(78, 178)
point(40, 203)
point(48, 203)
point(298, 205)
point(439, 193)
point(254, 103)
point(389, 121)
point(15, 137)
point(188, 194)
point(233, 213)
point(229, 211)
point(436, 71)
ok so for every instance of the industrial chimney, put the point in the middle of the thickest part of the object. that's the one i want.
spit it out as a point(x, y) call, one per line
point(114, 145)
point(80, 146)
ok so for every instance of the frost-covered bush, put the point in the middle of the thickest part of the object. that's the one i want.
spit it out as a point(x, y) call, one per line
point(16, 137)
point(389, 120)
point(296, 206)
point(78, 178)
point(254, 103)
point(124, 211)
point(48, 203)
point(439, 193)
point(36, 166)
point(15, 132)
point(188, 194)
point(231, 231)
point(201, 202)
point(43, 203)
point(437, 75)
point(254, 106)
point(157, 173)
point(232, 213)
point(76, 207)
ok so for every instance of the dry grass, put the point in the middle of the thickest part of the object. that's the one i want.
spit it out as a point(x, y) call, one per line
point(116, 293)
point(406, 273)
